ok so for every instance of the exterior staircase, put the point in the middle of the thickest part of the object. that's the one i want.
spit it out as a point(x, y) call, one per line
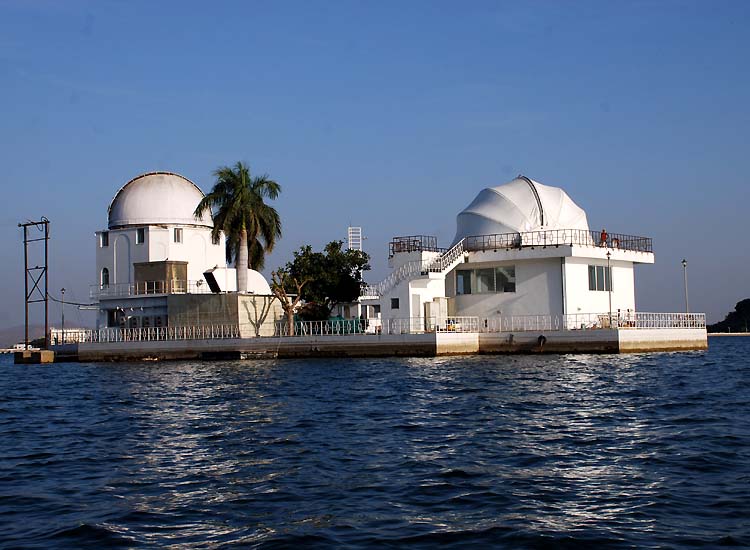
point(414, 270)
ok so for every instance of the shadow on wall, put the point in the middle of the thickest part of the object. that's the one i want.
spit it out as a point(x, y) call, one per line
point(257, 310)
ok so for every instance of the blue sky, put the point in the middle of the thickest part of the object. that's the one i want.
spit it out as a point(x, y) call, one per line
point(389, 115)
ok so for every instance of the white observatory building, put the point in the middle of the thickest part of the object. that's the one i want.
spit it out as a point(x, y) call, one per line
point(520, 249)
point(154, 248)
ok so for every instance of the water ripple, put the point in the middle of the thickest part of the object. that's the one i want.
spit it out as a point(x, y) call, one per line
point(632, 451)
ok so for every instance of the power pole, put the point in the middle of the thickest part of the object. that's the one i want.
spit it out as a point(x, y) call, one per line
point(34, 275)
point(62, 291)
point(684, 274)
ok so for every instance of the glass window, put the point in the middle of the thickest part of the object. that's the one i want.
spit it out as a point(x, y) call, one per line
point(105, 277)
point(140, 235)
point(463, 281)
point(600, 277)
point(506, 278)
point(178, 234)
point(105, 238)
point(485, 280)
point(394, 303)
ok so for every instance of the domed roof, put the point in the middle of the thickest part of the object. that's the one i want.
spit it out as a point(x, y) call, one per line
point(257, 284)
point(520, 205)
point(157, 198)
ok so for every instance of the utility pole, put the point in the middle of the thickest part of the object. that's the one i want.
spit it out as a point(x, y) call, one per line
point(684, 274)
point(62, 291)
point(608, 278)
point(34, 275)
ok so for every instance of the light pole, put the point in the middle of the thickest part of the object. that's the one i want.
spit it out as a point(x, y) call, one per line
point(62, 291)
point(608, 279)
point(684, 274)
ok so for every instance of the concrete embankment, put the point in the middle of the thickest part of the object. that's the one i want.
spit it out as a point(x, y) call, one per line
point(414, 345)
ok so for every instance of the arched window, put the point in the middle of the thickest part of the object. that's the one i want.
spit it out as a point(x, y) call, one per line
point(105, 277)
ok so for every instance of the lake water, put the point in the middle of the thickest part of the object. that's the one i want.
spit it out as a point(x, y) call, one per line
point(558, 451)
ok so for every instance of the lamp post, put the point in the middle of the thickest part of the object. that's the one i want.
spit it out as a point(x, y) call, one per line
point(62, 301)
point(684, 275)
point(608, 279)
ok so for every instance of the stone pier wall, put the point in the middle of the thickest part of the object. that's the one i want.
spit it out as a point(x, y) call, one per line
point(430, 344)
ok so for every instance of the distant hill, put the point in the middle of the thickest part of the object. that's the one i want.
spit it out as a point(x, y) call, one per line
point(14, 335)
point(735, 321)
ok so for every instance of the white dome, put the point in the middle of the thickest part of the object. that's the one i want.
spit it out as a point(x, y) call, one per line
point(518, 206)
point(257, 284)
point(157, 198)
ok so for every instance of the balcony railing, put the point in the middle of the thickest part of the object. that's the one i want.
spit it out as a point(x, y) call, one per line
point(558, 237)
point(144, 288)
point(413, 243)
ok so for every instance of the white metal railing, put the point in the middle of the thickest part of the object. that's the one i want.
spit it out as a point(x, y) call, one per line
point(59, 336)
point(558, 237)
point(592, 321)
point(521, 323)
point(447, 260)
point(408, 325)
point(153, 334)
point(440, 264)
point(666, 320)
point(144, 288)
point(405, 325)
point(322, 328)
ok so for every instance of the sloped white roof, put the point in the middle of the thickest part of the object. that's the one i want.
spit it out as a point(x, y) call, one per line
point(256, 283)
point(226, 277)
point(157, 198)
point(519, 205)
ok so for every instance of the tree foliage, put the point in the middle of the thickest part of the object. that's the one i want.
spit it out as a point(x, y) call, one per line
point(735, 321)
point(237, 203)
point(331, 276)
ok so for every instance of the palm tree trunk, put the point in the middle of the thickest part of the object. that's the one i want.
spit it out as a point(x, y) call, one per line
point(242, 262)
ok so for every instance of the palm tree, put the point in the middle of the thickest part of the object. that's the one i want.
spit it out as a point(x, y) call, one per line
point(250, 225)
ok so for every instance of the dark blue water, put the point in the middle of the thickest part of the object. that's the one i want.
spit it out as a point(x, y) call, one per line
point(632, 451)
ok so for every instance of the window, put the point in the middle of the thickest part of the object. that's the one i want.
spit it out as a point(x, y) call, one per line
point(104, 238)
point(140, 235)
point(485, 280)
point(488, 280)
point(394, 303)
point(105, 277)
point(463, 281)
point(600, 278)
point(505, 278)
point(178, 234)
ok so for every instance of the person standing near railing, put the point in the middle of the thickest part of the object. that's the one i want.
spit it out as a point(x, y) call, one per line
point(603, 238)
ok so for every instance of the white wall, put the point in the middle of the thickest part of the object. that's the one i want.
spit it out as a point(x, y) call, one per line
point(424, 289)
point(196, 249)
point(582, 300)
point(538, 290)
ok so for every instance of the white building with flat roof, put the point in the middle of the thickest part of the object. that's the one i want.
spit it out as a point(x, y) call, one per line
point(521, 249)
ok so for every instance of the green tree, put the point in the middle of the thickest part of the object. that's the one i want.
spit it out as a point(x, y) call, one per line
point(329, 277)
point(735, 321)
point(239, 210)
